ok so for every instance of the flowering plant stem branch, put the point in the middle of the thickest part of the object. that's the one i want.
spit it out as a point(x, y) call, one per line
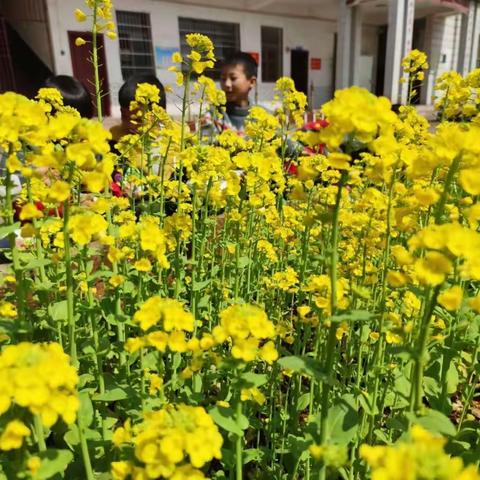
point(331, 338)
point(69, 283)
point(39, 433)
point(85, 453)
point(98, 92)
point(239, 444)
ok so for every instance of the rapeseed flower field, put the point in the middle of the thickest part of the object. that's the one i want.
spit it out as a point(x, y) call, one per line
point(229, 316)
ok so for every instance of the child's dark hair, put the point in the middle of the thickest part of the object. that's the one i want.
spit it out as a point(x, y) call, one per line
point(126, 93)
point(73, 92)
point(246, 60)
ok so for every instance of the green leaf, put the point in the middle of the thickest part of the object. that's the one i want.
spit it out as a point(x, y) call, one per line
point(71, 437)
point(58, 311)
point(197, 286)
point(251, 379)
point(244, 262)
point(112, 395)
point(435, 422)
point(224, 417)
point(452, 378)
point(305, 365)
point(303, 402)
point(354, 316)
point(85, 412)
point(53, 462)
point(253, 455)
point(343, 421)
point(6, 230)
point(36, 263)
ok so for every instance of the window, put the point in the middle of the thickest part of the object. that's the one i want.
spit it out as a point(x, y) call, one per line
point(225, 36)
point(135, 38)
point(272, 54)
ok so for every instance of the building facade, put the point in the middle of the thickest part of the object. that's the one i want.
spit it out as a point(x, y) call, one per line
point(322, 44)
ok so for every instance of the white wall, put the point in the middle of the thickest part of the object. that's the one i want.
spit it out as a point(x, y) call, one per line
point(315, 36)
point(443, 48)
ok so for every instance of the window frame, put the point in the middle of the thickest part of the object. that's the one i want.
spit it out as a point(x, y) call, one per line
point(128, 55)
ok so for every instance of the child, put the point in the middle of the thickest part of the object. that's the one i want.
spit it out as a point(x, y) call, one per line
point(238, 77)
point(126, 95)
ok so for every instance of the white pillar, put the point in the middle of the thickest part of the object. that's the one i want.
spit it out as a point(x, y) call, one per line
point(465, 52)
point(474, 55)
point(401, 15)
point(349, 44)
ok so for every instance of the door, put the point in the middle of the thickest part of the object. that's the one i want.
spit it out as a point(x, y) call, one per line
point(418, 42)
point(299, 69)
point(381, 54)
point(83, 69)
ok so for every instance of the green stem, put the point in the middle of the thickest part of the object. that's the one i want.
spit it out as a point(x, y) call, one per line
point(69, 284)
point(98, 91)
point(19, 284)
point(446, 189)
point(239, 445)
point(331, 339)
point(420, 352)
point(39, 433)
point(85, 453)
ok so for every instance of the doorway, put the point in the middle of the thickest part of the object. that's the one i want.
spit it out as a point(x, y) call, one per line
point(418, 42)
point(83, 70)
point(381, 57)
point(299, 69)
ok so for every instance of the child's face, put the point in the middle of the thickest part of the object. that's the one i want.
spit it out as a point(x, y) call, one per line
point(236, 85)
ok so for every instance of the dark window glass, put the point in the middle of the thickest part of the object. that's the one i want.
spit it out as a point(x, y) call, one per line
point(272, 54)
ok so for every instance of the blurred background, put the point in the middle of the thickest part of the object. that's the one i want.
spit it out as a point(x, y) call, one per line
point(322, 44)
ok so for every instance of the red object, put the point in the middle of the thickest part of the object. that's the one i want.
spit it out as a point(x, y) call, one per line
point(315, 63)
point(255, 56)
point(17, 207)
point(316, 125)
point(116, 189)
point(290, 168)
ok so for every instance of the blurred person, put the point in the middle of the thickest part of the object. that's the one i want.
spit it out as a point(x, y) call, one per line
point(73, 92)
point(126, 95)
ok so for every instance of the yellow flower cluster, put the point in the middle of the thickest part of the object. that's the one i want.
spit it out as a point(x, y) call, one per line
point(247, 326)
point(39, 377)
point(171, 320)
point(456, 97)
point(414, 64)
point(424, 457)
point(13, 435)
point(444, 242)
point(293, 102)
point(102, 12)
point(200, 58)
point(357, 112)
point(320, 287)
point(174, 443)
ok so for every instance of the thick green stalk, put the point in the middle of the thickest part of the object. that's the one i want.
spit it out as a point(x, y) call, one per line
point(19, 284)
point(380, 346)
point(239, 445)
point(69, 284)
point(331, 338)
point(420, 351)
point(39, 433)
point(85, 453)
